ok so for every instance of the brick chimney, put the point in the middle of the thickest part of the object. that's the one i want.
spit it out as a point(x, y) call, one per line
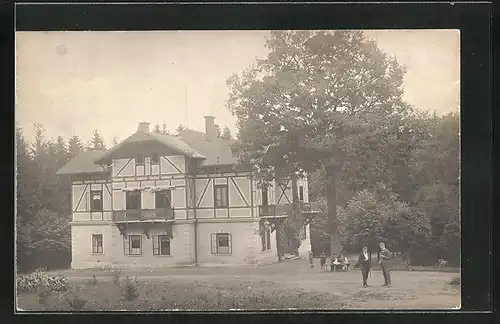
point(210, 130)
point(143, 127)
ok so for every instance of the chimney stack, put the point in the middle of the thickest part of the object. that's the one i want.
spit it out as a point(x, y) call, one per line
point(143, 127)
point(210, 130)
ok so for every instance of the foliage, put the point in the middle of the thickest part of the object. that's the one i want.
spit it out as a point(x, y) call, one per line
point(39, 280)
point(331, 99)
point(115, 275)
point(97, 142)
point(130, 291)
point(75, 301)
point(376, 215)
point(226, 133)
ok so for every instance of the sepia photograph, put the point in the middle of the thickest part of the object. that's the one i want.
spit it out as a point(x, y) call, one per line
point(237, 170)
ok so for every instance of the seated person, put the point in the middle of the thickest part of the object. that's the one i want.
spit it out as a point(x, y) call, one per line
point(335, 263)
point(341, 261)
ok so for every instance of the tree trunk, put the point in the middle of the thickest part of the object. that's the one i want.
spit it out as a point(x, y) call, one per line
point(331, 194)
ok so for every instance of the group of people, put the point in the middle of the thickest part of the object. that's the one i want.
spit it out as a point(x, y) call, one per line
point(364, 262)
point(337, 263)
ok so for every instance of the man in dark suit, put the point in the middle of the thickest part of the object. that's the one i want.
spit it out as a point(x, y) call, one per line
point(365, 264)
point(385, 256)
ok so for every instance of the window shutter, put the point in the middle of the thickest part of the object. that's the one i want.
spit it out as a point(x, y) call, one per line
point(87, 196)
point(214, 243)
point(229, 238)
point(155, 245)
point(268, 239)
point(263, 239)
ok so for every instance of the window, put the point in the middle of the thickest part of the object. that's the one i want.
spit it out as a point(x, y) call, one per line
point(133, 245)
point(96, 243)
point(139, 159)
point(221, 243)
point(163, 199)
point(301, 193)
point(161, 245)
point(96, 200)
point(265, 201)
point(133, 200)
point(155, 158)
point(220, 196)
point(266, 240)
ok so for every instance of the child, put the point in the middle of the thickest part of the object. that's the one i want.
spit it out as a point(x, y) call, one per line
point(335, 263)
point(311, 260)
point(346, 263)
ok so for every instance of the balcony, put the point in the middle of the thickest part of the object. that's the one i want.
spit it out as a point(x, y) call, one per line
point(144, 215)
point(283, 210)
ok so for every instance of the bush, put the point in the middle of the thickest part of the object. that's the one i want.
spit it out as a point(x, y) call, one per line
point(43, 295)
point(93, 281)
point(115, 274)
point(455, 281)
point(38, 280)
point(130, 291)
point(74, 300)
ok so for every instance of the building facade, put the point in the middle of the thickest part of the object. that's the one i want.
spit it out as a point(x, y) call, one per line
point(158, 200)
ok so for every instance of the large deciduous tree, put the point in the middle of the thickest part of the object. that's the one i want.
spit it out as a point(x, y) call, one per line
point(318, 91)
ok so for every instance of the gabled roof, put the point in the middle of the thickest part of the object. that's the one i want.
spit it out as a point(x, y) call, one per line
point(172, 142)
point(217, 151)
point(189, 142)
point(84, 162)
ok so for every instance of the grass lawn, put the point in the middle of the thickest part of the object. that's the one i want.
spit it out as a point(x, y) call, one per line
point(289, 284)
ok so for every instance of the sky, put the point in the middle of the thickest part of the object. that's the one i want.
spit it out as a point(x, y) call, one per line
point(75, 82)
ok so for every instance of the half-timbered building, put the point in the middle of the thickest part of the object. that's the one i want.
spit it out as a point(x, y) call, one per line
point(157, 200)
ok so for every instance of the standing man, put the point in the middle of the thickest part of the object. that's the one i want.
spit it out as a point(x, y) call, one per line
point(365, 264)
point(385, 255)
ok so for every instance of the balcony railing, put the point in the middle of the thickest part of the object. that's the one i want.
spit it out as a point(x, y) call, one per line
point(143, 214)
point(280, 210)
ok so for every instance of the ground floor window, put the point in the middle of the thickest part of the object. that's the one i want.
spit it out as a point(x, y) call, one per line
point(266, 240)
point(97, 243)
point(132, 245)
point(221, 243)
point(161, 245)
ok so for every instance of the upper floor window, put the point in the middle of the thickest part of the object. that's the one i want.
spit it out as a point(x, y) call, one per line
point(155, 158)
point(221, 196)
point(265, 195)
point(97, 243)
point(96, 200)
point(301, 193)
point(221, 243)
point(133, 200)
point(163, 199)
point(139, 159)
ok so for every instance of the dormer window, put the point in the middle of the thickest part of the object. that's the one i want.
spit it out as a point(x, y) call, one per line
point(139, 159)
point(155, 158)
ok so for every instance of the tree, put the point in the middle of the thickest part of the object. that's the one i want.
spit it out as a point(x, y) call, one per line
point(114, 141)
point(226, 133)
point(75, 146)
point(97, 142)
point(331, 92)
point(180, 128)
point(377, 215)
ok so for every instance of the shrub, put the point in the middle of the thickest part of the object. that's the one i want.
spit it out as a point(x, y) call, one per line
point(93, 281)
point(115, 274)
point(455, 281)
point(74, 300)
point(38, 280)
point(130, 291)
point(43, 295)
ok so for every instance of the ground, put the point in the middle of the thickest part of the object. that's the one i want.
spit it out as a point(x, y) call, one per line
point(289, 284)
